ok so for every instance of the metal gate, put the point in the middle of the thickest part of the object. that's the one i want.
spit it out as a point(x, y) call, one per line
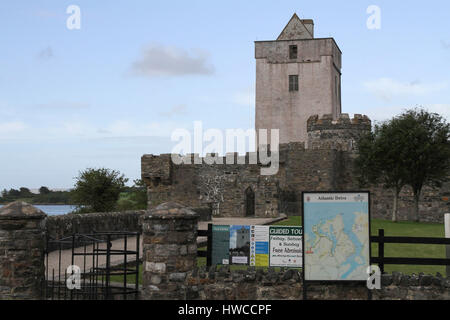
point(102, 265)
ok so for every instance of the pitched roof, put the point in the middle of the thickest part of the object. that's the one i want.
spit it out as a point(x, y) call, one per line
point(295, 29)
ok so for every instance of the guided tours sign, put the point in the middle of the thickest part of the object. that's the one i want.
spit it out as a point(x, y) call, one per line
point(286, 246)
point(259, 246)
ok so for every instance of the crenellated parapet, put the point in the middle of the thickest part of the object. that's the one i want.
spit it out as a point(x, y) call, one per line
point(338, 134)
point(156, 169)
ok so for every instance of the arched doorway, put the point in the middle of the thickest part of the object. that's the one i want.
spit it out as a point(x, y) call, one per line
point(249, 202)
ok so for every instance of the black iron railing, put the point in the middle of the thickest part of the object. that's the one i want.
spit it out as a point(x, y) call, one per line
point(95, 275)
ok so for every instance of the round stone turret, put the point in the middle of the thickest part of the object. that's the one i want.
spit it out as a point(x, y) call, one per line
point(339, 134)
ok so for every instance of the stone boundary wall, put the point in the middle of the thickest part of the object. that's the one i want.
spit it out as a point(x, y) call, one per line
point(62, 226)
point(170, 271)
point(434, 203)
point(325, 164)
point(221, 284)
point(66, 225)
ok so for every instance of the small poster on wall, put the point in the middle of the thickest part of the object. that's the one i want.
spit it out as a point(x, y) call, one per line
point(286, 247)
point(220, 245)
point(239, 244)
point(259, 246)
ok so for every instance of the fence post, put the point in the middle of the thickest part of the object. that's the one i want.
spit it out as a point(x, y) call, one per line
point(169, 251)
point(381, 249)
point(447, 235)
point(22, 245)
point(209, 246)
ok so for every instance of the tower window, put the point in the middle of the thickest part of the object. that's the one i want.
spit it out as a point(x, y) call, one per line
point(293, 52)
point(293, 82)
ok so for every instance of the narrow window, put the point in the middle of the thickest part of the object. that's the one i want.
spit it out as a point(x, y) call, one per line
point(293, 52)
point(293, 83)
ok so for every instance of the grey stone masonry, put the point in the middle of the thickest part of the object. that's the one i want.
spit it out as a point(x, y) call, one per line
point(22, 245)
point(341, 133)
point(169, 250)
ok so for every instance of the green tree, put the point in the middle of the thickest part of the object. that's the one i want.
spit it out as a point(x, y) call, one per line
point(410, 149)
point(97, 190)
point(140, 194)
point(135, 197)
point(381, 159)
point(25, 192)
point(44, 190)
point(14, 193)
point(428, 151)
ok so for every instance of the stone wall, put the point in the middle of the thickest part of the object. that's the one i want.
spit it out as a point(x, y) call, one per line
point(22, 245)
point(169, 250)
point(170, 271)
point(58, 227)
point(219, 186)
point(287, 284)
point(338, 134)
point(66, 225)
point(434, 203)
point(327, 164)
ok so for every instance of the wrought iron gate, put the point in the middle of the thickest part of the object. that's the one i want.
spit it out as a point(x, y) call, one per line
point(103, 265)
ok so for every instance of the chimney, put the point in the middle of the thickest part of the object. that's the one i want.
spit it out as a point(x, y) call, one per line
point(309, 24)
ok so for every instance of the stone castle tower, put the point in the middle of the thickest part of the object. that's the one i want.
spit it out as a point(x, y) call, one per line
point(297, 76)
point(297, 91)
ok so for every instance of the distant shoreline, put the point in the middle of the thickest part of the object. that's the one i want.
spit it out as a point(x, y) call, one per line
point(39, 204)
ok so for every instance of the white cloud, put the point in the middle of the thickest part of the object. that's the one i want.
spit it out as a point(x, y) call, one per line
point(76, 129)
point(12, 127)
point(157, 60)
point(17, 130)
point(387, 112)
point(441, 108)
point(387, 88)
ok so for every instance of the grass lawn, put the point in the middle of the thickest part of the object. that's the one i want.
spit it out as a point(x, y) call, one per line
point(403, 228)
point(410, 229)
point(130, 278)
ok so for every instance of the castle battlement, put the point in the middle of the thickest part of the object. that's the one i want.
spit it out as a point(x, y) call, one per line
point(339, 134)
point(342, 122)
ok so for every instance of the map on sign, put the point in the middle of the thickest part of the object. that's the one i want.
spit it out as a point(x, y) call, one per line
point(336, 236)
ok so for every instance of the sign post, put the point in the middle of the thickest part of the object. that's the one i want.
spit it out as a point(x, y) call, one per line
point(447, 235)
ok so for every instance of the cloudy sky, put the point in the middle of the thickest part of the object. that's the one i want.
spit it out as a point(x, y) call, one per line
point(104, 94)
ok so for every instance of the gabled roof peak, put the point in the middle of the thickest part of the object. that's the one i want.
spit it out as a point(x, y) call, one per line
point(297, 29)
